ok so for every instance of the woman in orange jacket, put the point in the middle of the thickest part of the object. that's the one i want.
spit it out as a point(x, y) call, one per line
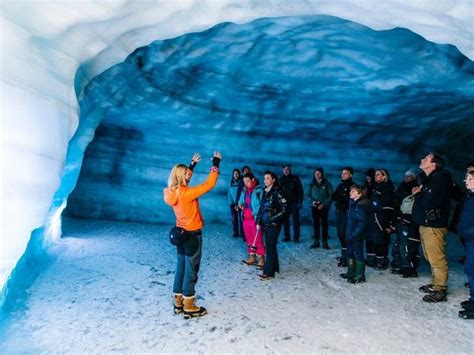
point(184, 201)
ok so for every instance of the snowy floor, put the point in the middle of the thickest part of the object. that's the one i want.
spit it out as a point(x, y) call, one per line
point(109, 290)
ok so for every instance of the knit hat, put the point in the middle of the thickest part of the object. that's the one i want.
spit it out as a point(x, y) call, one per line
point(410, 172)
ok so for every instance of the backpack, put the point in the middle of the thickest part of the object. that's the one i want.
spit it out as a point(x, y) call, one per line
point(407, 204)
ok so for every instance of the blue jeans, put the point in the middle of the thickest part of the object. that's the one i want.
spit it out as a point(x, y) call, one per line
point(189, 259)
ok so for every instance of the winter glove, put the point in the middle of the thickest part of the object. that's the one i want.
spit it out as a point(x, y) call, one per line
point(216, 161)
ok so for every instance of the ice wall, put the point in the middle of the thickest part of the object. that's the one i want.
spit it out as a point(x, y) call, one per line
point(51, 48)
point(312, 91)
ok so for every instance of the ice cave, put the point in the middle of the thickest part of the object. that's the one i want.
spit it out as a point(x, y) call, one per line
point(100, 99)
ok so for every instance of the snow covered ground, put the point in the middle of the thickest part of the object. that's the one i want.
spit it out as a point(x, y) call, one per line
point(108, 289)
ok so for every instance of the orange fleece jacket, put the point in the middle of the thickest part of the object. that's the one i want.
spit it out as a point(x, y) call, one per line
point(185, 204)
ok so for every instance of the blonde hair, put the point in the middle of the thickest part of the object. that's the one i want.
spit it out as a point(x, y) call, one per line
point(177, 176)
point(384, 173)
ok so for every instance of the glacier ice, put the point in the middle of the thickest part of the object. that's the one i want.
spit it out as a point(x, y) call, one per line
point(52, 50)
point(313, 90)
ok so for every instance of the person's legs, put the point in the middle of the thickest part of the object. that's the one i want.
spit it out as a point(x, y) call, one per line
point(295, 212)
point(235, 220)
point(271, 240)
point(323, 214)
point(192, 261)
point(433, 241)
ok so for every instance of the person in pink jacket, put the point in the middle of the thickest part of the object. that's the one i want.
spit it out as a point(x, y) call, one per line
point(250, 203)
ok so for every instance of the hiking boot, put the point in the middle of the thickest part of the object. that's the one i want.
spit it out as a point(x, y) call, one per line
point(396, 271)
point(315, 245)
point(178, 303)
point(468, 305)
point(466, 314)
point(427, 288)
point(406, 274)
point(326, 245)
point(191, 310)
point(261, 262)
point(251, 260)
point(435, 296)
point(342, 262)
point(265, 277)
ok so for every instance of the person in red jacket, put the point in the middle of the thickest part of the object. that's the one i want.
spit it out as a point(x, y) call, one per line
point(184, 201)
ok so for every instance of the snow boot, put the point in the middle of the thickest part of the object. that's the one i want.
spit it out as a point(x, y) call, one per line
point(350, 270)
point(426, 288)
point(468, 305)
point(261, 262)
point(342, 261)
point(359, 273)
point(251, 260)
point(435, 296)
point(466, 314)
point(178, 303)
point(190, 309)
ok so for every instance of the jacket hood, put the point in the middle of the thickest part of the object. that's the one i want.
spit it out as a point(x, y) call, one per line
point(171, 196)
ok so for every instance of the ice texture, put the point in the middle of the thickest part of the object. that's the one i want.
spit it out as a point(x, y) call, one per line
point(311, 91)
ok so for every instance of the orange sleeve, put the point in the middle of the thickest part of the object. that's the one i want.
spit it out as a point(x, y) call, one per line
point(194, 192)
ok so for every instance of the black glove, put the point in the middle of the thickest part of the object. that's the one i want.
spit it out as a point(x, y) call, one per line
point(216, 161)
point(192, 165)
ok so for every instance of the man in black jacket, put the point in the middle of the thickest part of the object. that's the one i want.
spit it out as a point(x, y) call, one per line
point(431, 212)
point(341, 198)
point(293, 189)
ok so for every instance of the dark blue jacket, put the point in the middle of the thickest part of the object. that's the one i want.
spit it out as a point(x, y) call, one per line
point(433, 203)
point(341, 195)
point(466, 222)
point(382, 205)
point(357, 225)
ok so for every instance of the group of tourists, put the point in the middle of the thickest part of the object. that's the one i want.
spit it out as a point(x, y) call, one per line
point(366, 215)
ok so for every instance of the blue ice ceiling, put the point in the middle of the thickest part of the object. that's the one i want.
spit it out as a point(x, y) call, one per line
point(313, 91)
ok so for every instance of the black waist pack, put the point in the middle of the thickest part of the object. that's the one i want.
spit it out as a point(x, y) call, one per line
point(178, 236)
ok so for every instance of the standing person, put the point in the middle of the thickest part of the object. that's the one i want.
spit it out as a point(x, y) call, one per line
point(382, 225)
point(235, 186)
point(293, 189)
point(431, 213)
point(466, 231)
point(369, 182)
point(356, 231)
point(184, 201)
point(245, 169)
point(341, 198)
point(319, 192)
point(405, 249)
point(271, 214)
point(250, 204)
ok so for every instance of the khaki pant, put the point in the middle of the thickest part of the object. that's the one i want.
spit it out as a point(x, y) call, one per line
point(433, 243)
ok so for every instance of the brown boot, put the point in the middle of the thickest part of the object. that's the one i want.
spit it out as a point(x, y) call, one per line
point(261, 262)
point(178, 303)
point(191, 310)
point(251, 260)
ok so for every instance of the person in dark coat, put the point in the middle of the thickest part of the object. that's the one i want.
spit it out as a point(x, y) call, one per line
point(356, 230)
point(431, 212)
point(465, 229)
point(405, 250)
point(383, 217)
point(341, 199)
point(271, 215)
point(319, 193)
point(293, 189)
